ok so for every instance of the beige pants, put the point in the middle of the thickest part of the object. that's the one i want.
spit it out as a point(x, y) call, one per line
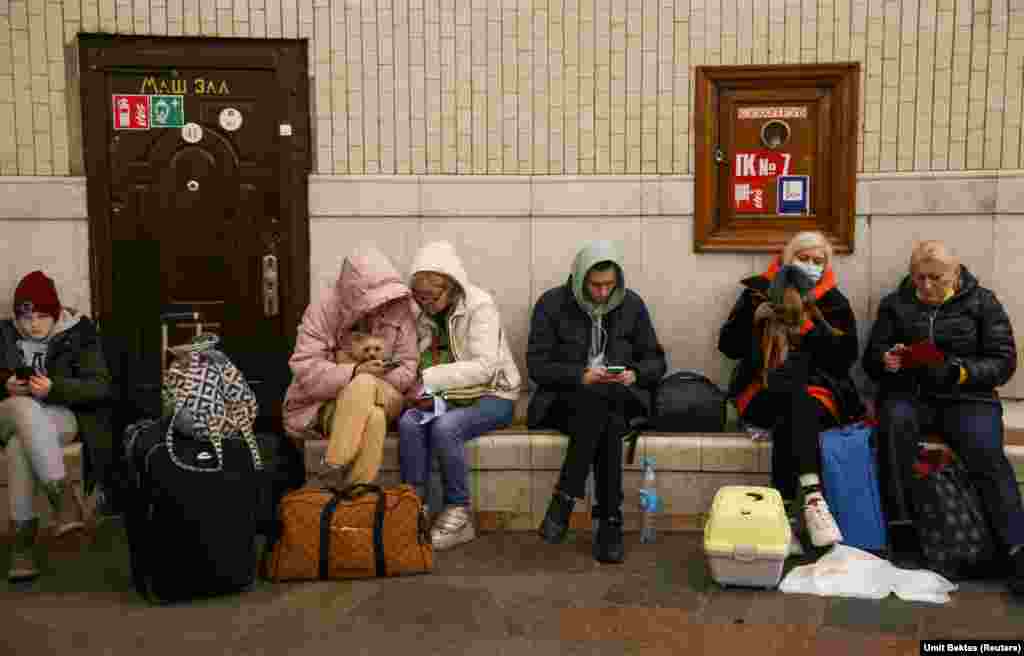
point(356, 423)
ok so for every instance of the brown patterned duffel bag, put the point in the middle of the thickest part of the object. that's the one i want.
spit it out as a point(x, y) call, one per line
point(359, 532)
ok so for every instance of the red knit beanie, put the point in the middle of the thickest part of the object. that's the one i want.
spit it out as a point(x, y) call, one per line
point(36, 293)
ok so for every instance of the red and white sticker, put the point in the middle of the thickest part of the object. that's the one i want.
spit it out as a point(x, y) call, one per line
point(754, 171)
point(131, 112)
point(748, 197)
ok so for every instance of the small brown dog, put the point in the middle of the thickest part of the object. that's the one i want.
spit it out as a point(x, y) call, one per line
point(782, 332)
point(793, 304)
point(365, 347)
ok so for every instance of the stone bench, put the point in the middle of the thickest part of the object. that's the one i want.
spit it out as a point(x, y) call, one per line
point(513, 470)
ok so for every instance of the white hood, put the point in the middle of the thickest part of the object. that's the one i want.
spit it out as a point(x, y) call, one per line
point(440, 257)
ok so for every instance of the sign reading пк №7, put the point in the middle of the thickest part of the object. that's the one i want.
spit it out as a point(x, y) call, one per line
point(753, 173)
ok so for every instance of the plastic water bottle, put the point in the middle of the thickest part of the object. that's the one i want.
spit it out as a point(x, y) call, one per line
point(649, 502)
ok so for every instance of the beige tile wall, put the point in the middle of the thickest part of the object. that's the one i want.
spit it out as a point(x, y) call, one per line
point(518, 235)
point(552, 87)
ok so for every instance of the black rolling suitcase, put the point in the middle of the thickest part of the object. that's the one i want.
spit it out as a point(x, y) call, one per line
point(197, 476)
point(192, 523)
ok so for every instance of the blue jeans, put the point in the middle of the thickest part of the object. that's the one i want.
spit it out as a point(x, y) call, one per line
point(974, 430)
point(447, 434)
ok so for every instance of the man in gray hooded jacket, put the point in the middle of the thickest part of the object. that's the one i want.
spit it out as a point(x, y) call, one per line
point(577, 333)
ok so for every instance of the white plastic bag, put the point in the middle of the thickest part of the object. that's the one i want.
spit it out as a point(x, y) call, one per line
point(921, 585)
point(850, 572)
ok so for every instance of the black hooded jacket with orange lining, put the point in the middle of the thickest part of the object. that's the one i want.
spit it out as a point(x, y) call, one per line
point(832, 352)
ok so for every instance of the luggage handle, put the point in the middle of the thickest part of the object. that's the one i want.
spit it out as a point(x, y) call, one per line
point(354, 490)
point(165, 319)
point(349, 493)
point(422, 524)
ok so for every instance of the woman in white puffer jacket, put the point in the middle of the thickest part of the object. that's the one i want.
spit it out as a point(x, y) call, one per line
point(462, 347)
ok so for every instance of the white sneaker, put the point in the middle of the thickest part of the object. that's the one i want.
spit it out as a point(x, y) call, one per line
point(820, 523)
point(453, 527)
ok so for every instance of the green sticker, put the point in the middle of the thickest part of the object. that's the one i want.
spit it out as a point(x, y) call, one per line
point(168, 111)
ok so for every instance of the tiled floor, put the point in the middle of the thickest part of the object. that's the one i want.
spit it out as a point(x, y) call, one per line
point(507, 593)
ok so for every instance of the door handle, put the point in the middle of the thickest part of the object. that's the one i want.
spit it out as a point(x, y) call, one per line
point(270, 287)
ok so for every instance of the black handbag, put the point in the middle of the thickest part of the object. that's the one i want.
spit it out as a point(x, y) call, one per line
point(951, 524)
point(688, 402)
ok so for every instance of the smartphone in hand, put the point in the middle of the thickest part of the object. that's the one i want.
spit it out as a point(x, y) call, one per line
point(615, 370)
point(392, 364)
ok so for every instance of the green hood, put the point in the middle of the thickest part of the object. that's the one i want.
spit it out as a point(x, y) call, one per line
point(589, 255)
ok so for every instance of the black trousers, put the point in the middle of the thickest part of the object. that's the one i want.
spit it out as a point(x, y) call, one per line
point(595, 417)
point(796, 419)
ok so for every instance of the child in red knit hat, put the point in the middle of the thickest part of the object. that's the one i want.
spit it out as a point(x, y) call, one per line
point(50, 362)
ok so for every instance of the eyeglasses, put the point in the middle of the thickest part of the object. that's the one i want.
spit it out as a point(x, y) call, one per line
point(425, 298)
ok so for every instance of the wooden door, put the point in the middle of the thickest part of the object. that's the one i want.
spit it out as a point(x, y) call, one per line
point(210, 217)
point(805, 150)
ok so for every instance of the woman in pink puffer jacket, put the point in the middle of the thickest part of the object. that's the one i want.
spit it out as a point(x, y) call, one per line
point(353, 403)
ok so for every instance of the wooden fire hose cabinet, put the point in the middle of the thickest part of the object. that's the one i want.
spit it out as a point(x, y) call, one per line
point(776, 152)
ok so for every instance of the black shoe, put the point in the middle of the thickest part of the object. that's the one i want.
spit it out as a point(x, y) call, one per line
point(608, 545)
point(556, 521)
point(1016, 582)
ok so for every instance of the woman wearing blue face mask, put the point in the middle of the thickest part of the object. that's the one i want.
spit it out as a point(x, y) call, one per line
point(812, 390)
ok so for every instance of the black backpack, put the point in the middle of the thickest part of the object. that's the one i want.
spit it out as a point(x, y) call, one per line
point(688, 402)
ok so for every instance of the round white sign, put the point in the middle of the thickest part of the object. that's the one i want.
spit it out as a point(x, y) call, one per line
point(192, 132)
point(230, 119)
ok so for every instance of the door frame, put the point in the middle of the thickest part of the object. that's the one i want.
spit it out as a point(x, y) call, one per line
point(711, 231)
point(100, 54)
